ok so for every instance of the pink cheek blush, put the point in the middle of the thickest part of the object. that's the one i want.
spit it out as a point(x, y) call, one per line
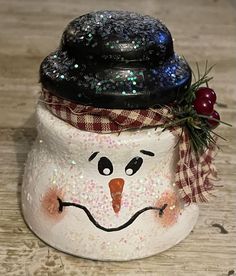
point(172, 211)
point(50, 204)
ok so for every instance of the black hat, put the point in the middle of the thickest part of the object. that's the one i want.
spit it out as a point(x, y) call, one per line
point(116, 59)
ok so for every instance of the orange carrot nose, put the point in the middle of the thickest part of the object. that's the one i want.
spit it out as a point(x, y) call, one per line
point(116, 187)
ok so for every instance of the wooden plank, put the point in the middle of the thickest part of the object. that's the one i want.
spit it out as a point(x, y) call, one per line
point(203, 29)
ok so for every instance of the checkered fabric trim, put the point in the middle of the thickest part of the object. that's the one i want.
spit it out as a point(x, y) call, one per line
point(194, 172)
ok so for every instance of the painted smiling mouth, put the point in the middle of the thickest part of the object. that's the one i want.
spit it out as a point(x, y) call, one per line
point(63, 204)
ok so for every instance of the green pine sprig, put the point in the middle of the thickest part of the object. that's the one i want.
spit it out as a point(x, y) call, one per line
point(200, 133)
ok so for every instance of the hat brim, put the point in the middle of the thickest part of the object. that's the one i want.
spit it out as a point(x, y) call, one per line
point(116, 86)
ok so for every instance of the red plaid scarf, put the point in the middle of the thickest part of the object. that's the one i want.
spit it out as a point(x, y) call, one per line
point(194, 172)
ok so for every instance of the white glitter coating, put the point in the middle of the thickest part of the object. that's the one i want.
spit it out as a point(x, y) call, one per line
point(59, 160)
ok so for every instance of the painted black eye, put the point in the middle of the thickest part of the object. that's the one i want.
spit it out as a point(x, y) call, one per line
point(134, 165)
point(105, 166)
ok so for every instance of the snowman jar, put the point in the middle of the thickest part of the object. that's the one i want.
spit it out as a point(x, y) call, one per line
point(100, 181)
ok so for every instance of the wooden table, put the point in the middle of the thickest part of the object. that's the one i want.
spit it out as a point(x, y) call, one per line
point(29, 30)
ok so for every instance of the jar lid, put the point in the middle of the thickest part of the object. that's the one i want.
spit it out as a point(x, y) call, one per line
point(116, 59)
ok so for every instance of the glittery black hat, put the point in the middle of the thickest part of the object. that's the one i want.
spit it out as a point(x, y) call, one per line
point(116, 59)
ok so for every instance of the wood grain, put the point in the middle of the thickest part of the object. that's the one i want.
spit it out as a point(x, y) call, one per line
point(29, 30)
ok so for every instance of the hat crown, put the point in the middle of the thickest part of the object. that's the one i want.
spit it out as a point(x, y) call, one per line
point(117, 36)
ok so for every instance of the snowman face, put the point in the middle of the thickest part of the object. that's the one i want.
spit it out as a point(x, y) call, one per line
point(116, 186)
point(117, 181)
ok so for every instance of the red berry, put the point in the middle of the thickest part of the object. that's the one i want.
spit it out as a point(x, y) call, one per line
point(212, 123)
point(205, 92)
point(203, 106)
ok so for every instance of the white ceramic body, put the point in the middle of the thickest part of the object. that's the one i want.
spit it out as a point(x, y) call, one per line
point(58, 166)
